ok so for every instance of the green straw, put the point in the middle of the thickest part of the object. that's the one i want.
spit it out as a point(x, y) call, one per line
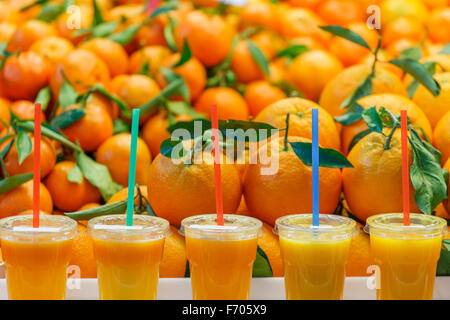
point(132, 172)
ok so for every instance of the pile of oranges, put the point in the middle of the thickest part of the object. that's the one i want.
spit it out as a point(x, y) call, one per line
point(256, 62)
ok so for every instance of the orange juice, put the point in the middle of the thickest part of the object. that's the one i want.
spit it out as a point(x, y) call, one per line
point(221, 257)
point(315, 257)
point(406, 255)
point(36, 259)
point(128, 258)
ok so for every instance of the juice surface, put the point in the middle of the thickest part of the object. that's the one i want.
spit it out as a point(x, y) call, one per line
point(314, 270)
point(221, 270)
point(36, 271)
point(407, 267)
point(128, 270)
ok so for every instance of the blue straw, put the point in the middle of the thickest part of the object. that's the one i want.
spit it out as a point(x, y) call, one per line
point(132, 172)
point(315, 166)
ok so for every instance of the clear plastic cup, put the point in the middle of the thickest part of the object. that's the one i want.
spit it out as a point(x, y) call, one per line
point(315, 258)
point(36, 259)
point(407, 256)
point(128, 257)
point(221, 257)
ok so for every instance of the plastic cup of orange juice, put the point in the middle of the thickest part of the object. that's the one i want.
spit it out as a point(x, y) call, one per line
point(315, 257)
point(128, 257)
point(407, 256)
point(221, 257)
point(36, 259)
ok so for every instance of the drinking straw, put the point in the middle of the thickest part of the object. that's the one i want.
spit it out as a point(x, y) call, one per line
point(152, 4)
point(37, 165)
point(315, 166)
point(132, 171)
point(405, 167)
point(217, 177)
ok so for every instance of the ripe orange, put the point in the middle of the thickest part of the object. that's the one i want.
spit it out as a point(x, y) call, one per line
point(359, 258)
point(173, 263)
point(21, 199)
point(400, 45)
point(83, 69)
point(435, 107)
point(350, 53)
point(260, 94)
point(310, 4)
point(439, 25)
point(48, 159)
point(209, 36)
point(300, 120)
point(89, 206)
point(31, 211)
point(151, 34)
point(53, 48)
point(269, 197)
point(114, 153)
point(374, 185)
point(230, 104)
point(383, 58)
point(6, 31)
point(260, 13)
point(122, 195)
point(28, 33)
point(91, 130)
point(441, 136)
point(392, 9)
point(151, 55)
point(69, 196)
point(24, 110)
point(244, 65)
point(69, 22)
point(269, 243)
point(177, 191)
point(113, 54)
point(83, 253)
point(403, 27)
point(311, 71)
point(343, 84)
point(392, 102)
point(23, 75)
point(341, 11)
point(309, 42)
point(5, 116)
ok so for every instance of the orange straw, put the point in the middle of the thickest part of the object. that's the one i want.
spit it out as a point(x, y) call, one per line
point(217, 178)
point(405, 167)
point(37, 164)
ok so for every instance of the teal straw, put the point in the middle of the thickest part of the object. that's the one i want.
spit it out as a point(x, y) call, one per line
point(132, 172)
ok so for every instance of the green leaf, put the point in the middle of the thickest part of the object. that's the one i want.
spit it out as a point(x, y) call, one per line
point(43, 97)
point(67, 118)
point(259, 57)
point(363, 89)
point(167, 146)
point(292, 51)
point(124, 109)
point(168, 34)
point(443, 265)
point(261, 266)
point(98, 19)
point(50, 12)
point(420, 73)
point(67, 95)
point(187, 271)
point(121, 126)
point(10, 183)
point(172, 77)
point(350, 116)
point(112, 208)
point(373, 119)
point(23, 145)
point(426, 176)
point(346, 34)
point(105, 29)
point(446, 49)
point(328, 158)
point(124, 37)
point(33, 4)
point(357, 138)
point(186, 55)
point(98, 175)
point(182, 108)
point(414, 85)
point(414, 53)
point(75, 175)
point(164, 8)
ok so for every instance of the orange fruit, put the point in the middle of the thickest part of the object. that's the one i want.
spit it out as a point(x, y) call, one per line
point(28, 33)
point(447, 202)
point(69, 196)
point(392, 102)
point(309, 42)
point(382, 62)
point(21, 198)
point(66, 23)
point(23, 75)
point(433, 4)
point(300, 120)
point(173, 263)
point(244, 65)
point(341, 11)
point(122, 195)
point(350, 53)
point(230, 104)
point(439, 25)
point(359, 258)
point(392, 9)
point(434, 107)
point(114, 153)
point(5, 115)
point(269, 243)
point(82, 254)
point(151, 34)
point(31, 211)
point(310, 4)
point(398, 46)
point(177, 191)
point(89, 206)
point(260, 13)
point(311, 71)
point(441, 136)
point(83, 69)
point(113, 54)
point(24, 110)
point(92, 129)
point(6, 31)
point(53, 48)
point(374, 185)
point(270, 196)
point(209, 36)
point(151, 55)
point(403, 27)
point(260, 94)
point(343, 84)
point(48, 159)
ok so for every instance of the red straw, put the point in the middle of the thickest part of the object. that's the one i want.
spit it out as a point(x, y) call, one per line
point(218, 182)
point(405, 167)
point(152, 4)
point(37, 164)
